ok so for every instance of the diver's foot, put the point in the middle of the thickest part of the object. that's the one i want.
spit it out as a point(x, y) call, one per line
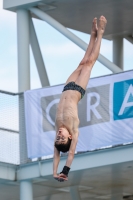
point(101, 25)
point(94, 28)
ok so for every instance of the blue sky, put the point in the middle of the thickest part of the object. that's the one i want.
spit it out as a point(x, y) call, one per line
point(60, 55)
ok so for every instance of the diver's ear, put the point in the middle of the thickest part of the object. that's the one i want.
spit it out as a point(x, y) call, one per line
point(70, 136)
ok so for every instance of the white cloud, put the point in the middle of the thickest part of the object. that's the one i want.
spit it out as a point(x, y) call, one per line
point(106, 47)
point(35, 83)
point(8, 82)
point(69, 48)
point(63, 49)
point(12, 50)
point(9, 85)
point(128, 49)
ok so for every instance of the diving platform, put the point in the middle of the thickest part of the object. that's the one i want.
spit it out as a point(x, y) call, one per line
point(78, 15)
point(102, 174)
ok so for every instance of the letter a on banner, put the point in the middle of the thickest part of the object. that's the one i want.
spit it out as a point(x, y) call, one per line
point(125, 103)
point(93, 106)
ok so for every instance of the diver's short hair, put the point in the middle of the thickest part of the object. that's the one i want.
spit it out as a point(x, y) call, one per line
point(63, 147)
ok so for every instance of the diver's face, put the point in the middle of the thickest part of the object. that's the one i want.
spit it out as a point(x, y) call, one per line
point(62, 135)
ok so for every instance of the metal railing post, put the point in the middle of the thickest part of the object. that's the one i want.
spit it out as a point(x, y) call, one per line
point(23, 74)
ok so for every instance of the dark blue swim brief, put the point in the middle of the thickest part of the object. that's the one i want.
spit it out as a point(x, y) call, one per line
point(74, 86)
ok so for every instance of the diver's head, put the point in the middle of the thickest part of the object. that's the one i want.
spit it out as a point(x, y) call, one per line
point(63, 140)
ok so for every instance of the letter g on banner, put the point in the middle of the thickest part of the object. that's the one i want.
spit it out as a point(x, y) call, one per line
point(49, 106)
point(55, 101)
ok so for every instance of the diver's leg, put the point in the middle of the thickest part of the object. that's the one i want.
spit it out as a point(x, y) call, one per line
point(93, 38)
point(87, 67)
point(74, 76)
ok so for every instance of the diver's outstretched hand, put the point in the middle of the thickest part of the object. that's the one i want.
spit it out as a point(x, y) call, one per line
point(61, 177)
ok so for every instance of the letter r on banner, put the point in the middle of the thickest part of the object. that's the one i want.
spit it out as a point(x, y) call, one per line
point(92, 107)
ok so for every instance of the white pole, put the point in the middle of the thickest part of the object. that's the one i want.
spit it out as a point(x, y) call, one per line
point(118, 51)
point(26, 192)
point(23, 74)
point(38, 56)
point(73, 37)
point(75, 195)
point(23, 50)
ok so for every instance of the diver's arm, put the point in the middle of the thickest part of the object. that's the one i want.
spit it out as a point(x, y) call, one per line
point(72, 150)
point(63, 176)
point(56, 162)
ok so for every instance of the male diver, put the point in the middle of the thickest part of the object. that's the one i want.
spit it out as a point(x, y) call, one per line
point(67, 121)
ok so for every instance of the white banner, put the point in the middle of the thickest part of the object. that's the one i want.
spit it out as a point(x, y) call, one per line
point(105, 113)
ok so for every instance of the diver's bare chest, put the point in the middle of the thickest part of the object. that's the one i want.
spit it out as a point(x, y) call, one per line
point(64, 118)
point(66, 121)
point(66, 114)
